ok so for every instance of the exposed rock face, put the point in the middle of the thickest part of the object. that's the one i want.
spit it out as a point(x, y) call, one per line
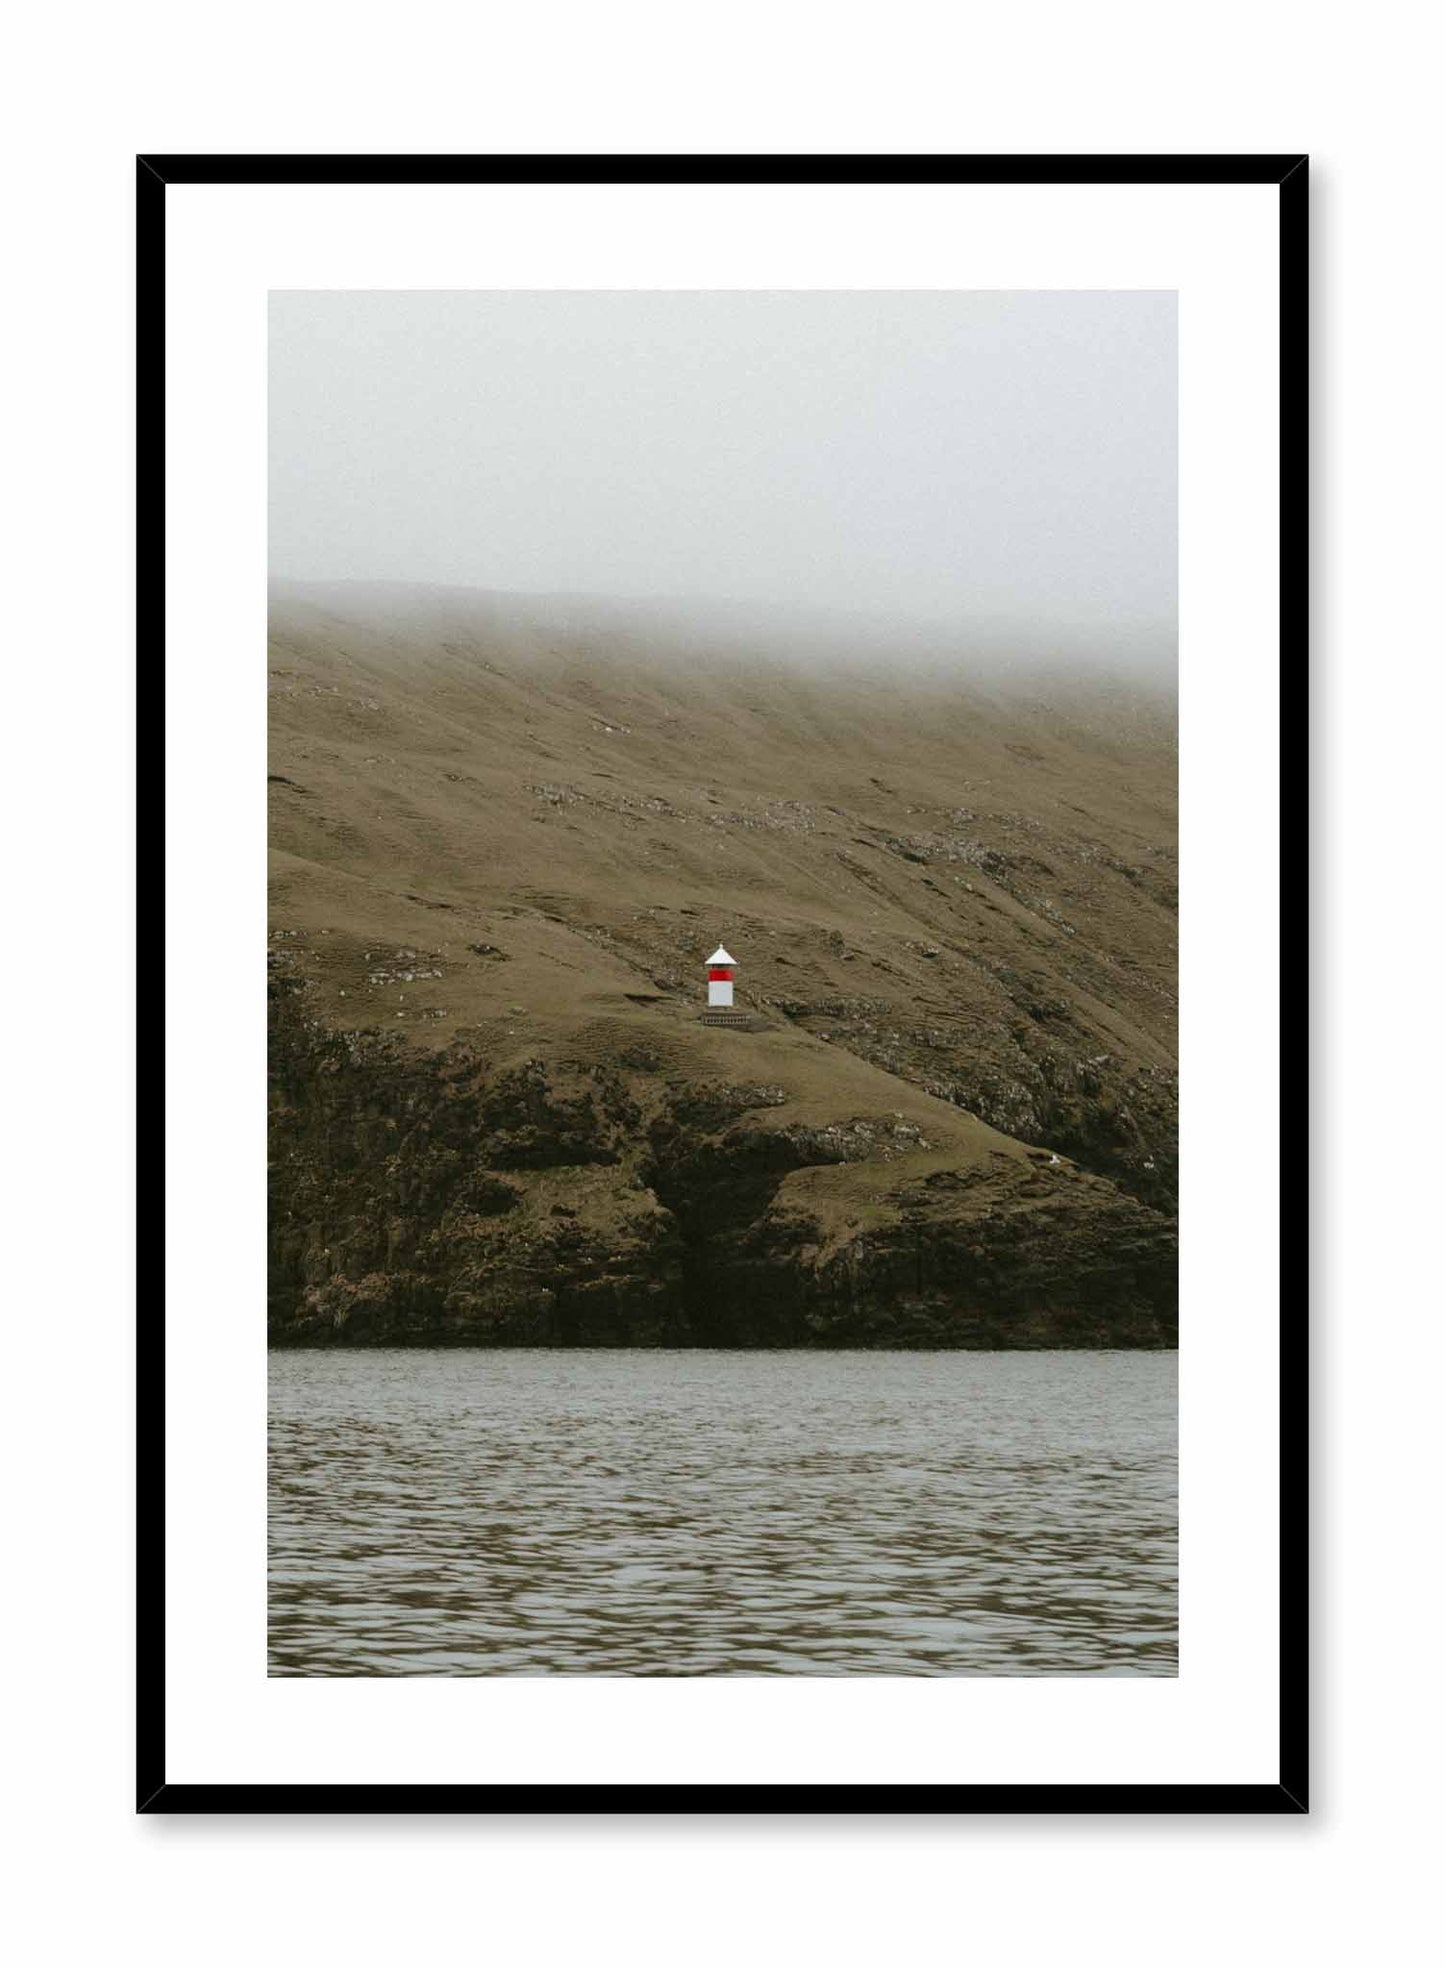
point(427, 1199)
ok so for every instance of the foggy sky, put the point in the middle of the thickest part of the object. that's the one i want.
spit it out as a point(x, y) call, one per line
point(1005, 458)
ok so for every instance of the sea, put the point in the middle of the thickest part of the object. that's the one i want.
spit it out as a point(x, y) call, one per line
point(629, 1512)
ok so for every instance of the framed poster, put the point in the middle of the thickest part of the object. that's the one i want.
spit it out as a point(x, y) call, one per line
point(769, 1216)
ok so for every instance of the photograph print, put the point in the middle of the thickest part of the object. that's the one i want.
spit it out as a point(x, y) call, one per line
point(722, 983)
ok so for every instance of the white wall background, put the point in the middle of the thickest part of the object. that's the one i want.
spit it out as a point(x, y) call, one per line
point(88, 89)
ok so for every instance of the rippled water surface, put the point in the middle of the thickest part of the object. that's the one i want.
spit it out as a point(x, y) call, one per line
point(694, 1513)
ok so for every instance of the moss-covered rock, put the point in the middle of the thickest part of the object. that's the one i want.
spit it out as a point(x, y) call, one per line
point(425, 1199)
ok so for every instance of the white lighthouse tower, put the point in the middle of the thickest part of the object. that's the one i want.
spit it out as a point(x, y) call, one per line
point(720, 978)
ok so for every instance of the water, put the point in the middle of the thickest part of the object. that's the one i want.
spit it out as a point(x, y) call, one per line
point(478, 1512)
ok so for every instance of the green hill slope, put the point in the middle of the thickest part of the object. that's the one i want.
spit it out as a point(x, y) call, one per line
point(505, 834)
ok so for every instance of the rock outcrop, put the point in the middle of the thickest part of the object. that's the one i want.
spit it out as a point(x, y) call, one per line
point(429, 1199)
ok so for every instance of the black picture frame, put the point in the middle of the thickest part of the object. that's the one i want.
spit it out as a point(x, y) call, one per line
point(1290, 1795)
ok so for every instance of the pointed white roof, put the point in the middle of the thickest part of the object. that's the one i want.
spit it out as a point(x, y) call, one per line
point(720, 956)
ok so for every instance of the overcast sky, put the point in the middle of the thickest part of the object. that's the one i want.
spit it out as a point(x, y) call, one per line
point(989, 456)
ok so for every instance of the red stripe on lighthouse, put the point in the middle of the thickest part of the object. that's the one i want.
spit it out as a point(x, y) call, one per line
point(719, 974)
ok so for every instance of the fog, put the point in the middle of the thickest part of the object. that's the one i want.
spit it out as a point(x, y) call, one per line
point(1002, 464)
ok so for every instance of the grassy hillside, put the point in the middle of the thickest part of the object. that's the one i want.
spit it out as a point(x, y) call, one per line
point(505, 834)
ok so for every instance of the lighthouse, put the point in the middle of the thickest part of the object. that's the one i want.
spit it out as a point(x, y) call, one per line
point(720, 1009)
point(720, 978)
